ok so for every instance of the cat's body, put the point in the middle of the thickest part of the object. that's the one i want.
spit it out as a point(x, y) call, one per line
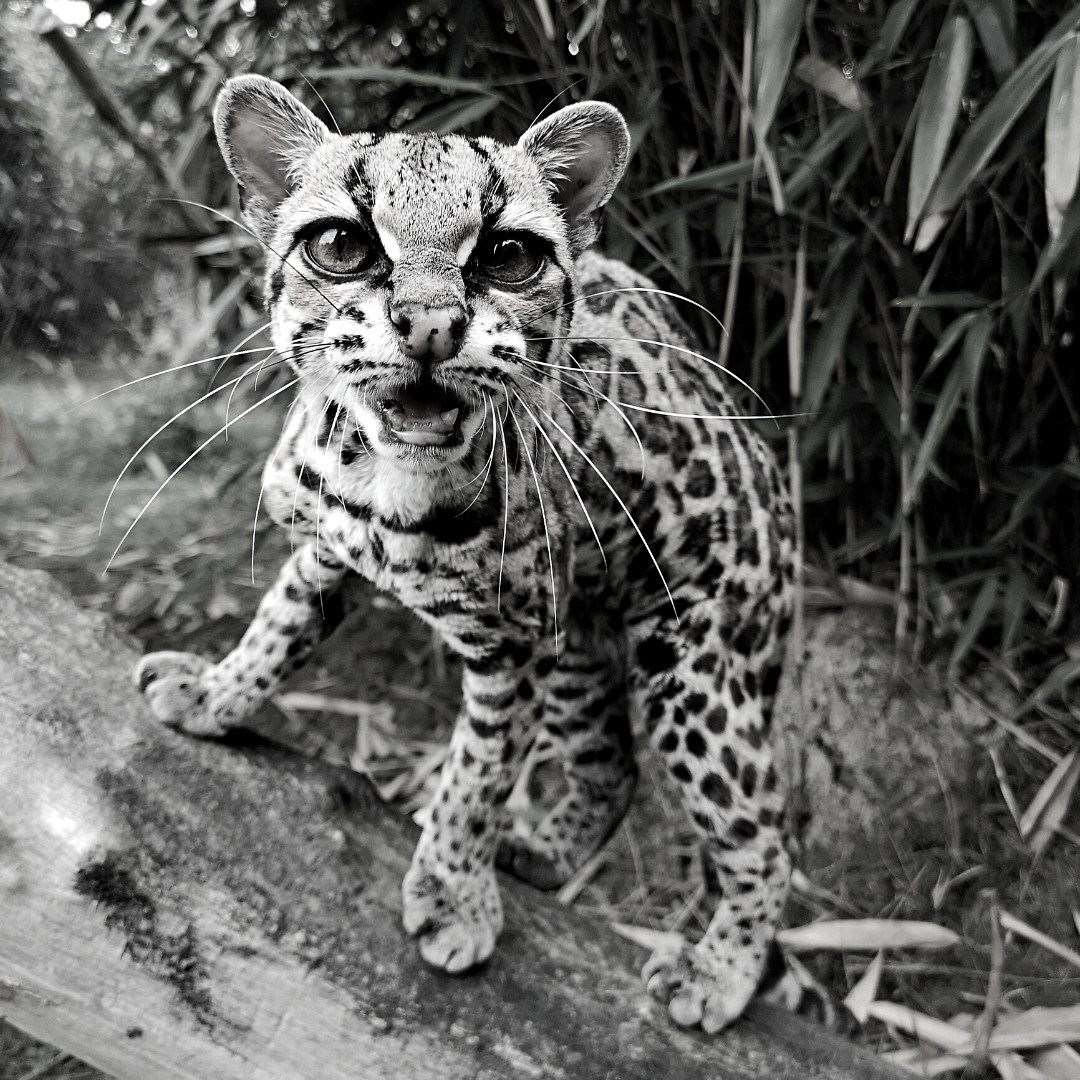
point(481, 431)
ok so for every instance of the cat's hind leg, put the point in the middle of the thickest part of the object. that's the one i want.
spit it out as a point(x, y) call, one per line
point(709, 711)
point(586, 719)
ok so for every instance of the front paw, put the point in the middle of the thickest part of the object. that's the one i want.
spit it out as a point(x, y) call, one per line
point(173, 684)
point(456, 916)
point(704, 985)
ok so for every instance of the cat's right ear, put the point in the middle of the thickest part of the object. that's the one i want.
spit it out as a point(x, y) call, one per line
point(265, 136)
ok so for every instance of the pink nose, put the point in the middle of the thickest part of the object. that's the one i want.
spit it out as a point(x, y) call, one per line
point(429, 333)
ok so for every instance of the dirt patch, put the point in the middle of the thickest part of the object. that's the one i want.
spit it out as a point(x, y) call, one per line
point(174, 958)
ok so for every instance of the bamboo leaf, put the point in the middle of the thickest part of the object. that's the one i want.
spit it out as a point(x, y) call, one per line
point(995, 21)
point(830, 342)
point(939, 300)
point(829, 80)
point(779, 24)
point(976, 620)
point(975, 343)
point(1014, 606)
point(953, 333)
point(824, 146)
point(1063, 676)
point(986, 134)
point(939, 106)
point(1041, 484)
point(716, 179)
point(1061, 253)
point(1047, 809)
point(454, 115)
point(1063, 135)
point(400, 76)
point(892, 30)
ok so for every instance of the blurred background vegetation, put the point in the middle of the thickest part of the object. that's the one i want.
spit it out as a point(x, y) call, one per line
point(878, 200)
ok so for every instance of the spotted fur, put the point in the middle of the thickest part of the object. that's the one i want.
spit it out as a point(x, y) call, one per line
point(663, 608)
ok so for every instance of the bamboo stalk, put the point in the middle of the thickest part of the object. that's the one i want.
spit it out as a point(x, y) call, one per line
point(796, 357)
point(111, 112)
point(732, 295)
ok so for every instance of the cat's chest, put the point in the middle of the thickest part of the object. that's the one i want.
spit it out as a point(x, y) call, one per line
point(416, 560)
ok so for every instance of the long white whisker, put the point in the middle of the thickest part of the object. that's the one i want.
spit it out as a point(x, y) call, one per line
point(303, 463)
point(499, 425)
point(255, 525)
point(635, 289)
point(547, 531)
point(677, 348)
point(226, 357)
point(257, 239)
point(255, 384)
point(169, 371)
point(543, 386)
point(712, 416)
point(172, 420)
point(191, 457)
point(614, 404)
point(329, 111)
point(485, 472)
point(318, 496)
point(566, 471)
point(623, 506)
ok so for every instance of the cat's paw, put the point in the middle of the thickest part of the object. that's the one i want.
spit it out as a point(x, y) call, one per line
point(457, 917)
point(174, 687)
point(702, 987)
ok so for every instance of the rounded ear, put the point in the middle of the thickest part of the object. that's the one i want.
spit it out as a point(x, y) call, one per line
point(265, 135)
point(581, 152)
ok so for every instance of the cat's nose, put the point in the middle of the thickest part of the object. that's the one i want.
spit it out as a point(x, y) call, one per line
point(429, 333)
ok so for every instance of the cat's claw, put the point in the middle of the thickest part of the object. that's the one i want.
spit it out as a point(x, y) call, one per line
point(173, 684)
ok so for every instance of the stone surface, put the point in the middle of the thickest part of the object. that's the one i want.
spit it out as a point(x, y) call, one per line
point(170, 908)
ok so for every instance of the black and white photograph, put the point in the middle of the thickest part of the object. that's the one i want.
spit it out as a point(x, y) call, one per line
point(539, 540)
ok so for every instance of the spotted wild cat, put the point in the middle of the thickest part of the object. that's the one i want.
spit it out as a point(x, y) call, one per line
point(514, 436)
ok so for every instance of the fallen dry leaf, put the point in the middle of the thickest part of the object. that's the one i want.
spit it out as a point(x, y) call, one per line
point(924, 1028)
point(1047, 809)
point(920, 1064)
point(1021, 929)
point(1041, 1026)
point(866, 935)
point(647, 938)
point(1058, 1063)
point(865, 990)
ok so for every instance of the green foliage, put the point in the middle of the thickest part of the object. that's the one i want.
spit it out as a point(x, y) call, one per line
point(904, 144)
point(67, 273)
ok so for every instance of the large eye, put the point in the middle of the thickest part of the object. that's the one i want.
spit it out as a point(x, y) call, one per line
point(510, 260)
point(339, 249)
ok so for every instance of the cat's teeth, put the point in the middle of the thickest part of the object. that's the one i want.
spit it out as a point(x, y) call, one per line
point(438, 424)
point(420, 438)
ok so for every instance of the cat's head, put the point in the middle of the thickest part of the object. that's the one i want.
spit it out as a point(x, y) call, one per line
point(419, 280)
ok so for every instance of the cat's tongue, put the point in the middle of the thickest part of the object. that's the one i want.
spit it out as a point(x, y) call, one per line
point(423, 415)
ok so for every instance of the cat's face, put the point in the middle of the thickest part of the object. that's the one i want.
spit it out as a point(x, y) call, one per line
point(419, 281)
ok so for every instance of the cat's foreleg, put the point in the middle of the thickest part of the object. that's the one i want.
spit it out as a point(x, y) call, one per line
point(450, 897)
point(193, 695)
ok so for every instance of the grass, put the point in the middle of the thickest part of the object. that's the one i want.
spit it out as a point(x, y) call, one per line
point(184, 580)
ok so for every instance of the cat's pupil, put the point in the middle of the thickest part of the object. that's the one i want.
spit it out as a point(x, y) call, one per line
point(507, 250)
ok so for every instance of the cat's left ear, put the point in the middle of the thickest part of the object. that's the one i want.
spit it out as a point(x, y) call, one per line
point(265, 136)
point(581, 152)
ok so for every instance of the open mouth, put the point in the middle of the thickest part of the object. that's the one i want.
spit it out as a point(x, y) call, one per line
point(422, 414)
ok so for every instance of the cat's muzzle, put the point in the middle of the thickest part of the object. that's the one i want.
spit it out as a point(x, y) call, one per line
point(422, 414)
